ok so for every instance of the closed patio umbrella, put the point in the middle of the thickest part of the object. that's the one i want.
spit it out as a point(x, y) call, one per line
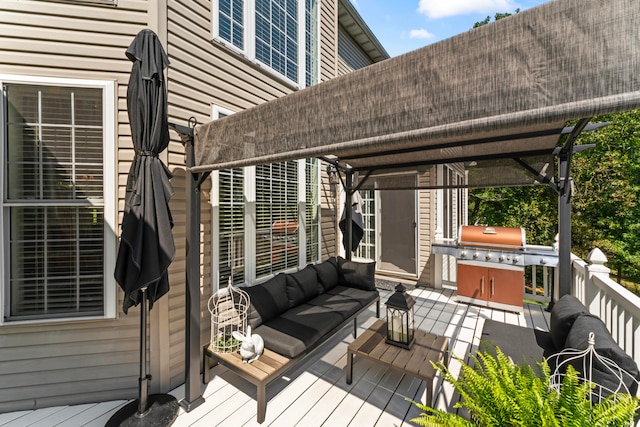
point(146, 246)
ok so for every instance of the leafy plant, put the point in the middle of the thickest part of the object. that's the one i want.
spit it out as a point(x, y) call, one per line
point(498, 392)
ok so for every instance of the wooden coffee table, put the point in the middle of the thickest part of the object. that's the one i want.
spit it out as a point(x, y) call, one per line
point(427, 348)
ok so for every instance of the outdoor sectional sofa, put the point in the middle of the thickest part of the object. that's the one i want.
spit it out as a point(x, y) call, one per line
point(569, 328)
point(296, 312)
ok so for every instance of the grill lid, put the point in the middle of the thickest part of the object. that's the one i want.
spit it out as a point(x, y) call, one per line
point(492, 237)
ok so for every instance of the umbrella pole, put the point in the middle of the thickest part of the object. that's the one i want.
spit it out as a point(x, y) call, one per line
point(143, 381)
point(154, 410)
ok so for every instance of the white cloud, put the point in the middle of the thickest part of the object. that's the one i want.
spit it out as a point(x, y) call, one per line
point(420, 34)
point(444, 8)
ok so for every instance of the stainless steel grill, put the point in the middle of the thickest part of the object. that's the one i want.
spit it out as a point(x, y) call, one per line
point(500, 245)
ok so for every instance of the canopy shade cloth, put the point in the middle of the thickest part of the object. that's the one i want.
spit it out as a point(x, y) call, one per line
point(146, 246)
point(504, 90)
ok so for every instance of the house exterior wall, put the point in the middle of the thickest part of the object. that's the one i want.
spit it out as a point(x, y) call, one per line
point(62, 363)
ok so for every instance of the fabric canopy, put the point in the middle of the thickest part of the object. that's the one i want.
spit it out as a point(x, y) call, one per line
point(503, 90)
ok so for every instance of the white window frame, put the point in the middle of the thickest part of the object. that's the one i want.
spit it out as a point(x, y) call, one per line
point(109, 119)
point(249, 38)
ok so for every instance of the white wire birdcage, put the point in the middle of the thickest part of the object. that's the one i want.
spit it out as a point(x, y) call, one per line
point(585, 361)
point(229, 308)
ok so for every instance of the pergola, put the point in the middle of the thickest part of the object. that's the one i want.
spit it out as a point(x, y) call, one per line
point(502, 94)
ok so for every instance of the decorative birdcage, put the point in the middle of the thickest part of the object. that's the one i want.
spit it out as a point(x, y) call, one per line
point(229, 308)
point(585, 362)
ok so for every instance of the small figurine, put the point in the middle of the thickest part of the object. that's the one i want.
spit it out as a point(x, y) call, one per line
point(252, 345)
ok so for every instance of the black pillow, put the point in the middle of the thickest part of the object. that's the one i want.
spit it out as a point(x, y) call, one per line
point(302, 286)
point(565, 311)
point(327, 274)
point(267, 300)
point(360, 275)
point(605, 346)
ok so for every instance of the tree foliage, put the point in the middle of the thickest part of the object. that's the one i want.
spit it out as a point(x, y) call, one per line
point(606, 204)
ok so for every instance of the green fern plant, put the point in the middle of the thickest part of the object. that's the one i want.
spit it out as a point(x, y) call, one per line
point(497, 392)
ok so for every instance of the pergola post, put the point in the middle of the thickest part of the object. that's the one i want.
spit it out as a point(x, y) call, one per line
point(348, 226)
point(192, 390)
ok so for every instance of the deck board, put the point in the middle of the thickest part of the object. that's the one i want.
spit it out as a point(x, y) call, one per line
point(315, 392)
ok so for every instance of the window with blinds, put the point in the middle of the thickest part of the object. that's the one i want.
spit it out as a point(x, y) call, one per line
point(312, 211)
point(282, 35)
point(276, 218)
point(53, 204)
point(231, 235)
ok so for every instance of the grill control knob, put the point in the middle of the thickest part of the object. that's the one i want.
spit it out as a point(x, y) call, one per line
point(476, 254)
point(543, 261)
point(488, 257)
point(501, 258)
point(516, 259)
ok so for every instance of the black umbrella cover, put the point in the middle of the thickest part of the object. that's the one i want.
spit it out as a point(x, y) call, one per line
point(146, 245)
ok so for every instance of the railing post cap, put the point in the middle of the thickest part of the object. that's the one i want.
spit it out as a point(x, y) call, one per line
point(597, 259)
point(596, 256)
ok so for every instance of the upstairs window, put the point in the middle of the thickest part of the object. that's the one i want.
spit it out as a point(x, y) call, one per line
point(281, 35)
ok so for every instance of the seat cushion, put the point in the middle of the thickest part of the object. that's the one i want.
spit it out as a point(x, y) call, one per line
point(363, 297)
point(521, 344)
point(267, 300)
point(565, 311)
point(327, 274)
point(604, 346)
point(301, 327)
point(359, 275)
point(340, 304)
point(302, 286)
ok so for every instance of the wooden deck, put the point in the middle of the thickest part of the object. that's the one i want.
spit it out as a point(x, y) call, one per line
point(316, 393)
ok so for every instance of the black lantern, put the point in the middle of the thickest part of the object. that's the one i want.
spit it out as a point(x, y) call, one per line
point(400, 318)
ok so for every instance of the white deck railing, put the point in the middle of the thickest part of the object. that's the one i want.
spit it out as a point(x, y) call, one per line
point(618, 308)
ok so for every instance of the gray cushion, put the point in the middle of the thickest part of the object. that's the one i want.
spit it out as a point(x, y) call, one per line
point(605, 346)
point(302, 286)
point(359, 275)
point(363, 297)
point(340, 304)
point(267, 300)
point(565, 311)
point(299, 328)
point(327, 274)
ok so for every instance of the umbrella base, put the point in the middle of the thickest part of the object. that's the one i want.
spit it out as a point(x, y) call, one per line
point(162, 410)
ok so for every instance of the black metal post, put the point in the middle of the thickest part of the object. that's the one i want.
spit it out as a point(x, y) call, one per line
point(564, 227)
point(143, 381)
point(192, 390)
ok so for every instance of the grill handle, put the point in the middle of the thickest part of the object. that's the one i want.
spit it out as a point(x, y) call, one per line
point(482, 285)
point(493, 290)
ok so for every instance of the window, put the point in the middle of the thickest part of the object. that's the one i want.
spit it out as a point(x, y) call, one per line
point(279, 34)
point(277, 222)
point(258, 215)
point(367, 247)
point(57, 205)
point(312, 210)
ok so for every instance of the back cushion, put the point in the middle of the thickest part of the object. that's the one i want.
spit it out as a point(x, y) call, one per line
point(565, 311)
point(327, 274)
point(605, 346)
point(302, 286)
point(268, 300)
point(360, 275)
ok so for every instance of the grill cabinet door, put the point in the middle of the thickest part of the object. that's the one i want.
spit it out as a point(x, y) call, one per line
point(472, 283)
point(505, 287)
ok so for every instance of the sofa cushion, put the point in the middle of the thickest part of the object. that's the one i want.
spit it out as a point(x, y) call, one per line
point(327, 274)
point(343, 305)
point(363, 297)
point(604, 346)
point(302, 286)
point(298, 329)
point(565, 311)
point(267, 300)
point(360, 275)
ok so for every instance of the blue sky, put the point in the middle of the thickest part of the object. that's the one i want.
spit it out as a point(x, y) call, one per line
point(405, 25)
